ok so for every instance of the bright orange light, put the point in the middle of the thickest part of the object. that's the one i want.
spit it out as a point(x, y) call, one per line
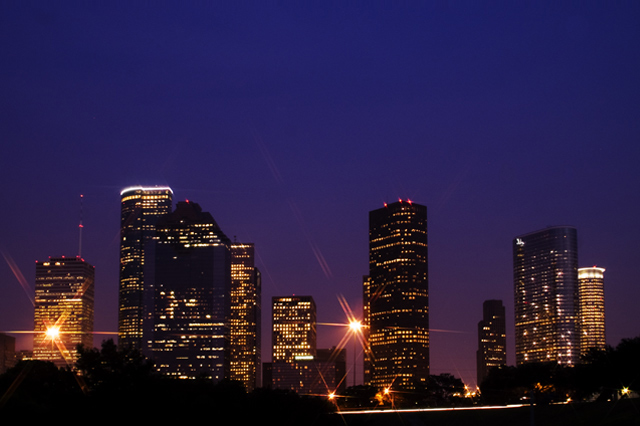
point(355, 325)
point(53, 332)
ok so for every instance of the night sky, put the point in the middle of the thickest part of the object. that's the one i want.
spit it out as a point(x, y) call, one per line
point(290, 121)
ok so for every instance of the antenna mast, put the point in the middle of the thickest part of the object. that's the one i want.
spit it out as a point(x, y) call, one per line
point(80, 229)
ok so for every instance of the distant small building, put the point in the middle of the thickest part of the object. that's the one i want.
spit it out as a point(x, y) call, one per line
point(7, 352)
point(321, 374)
point(492, 339)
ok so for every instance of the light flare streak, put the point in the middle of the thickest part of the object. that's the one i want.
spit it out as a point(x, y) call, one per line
point(18, 274)
point(275, 171)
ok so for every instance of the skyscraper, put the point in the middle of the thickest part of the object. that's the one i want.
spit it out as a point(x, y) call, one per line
point(140, 209)
point(397, 293)
point(294, 328)
point(63, 309)
point(191, 285)
point(245, 317)
point(591, 310)
point(492, 338)
point(546, 296)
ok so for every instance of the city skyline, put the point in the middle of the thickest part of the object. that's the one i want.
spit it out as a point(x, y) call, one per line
point(290, 124)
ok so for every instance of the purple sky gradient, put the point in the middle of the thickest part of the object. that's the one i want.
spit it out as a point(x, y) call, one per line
point(289, 122)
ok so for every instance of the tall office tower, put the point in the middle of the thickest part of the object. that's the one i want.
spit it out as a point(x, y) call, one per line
point(545, 269)
point(591, 309)
point(244, 320)
point(294, 328)
point(191, 285)
point(492, 339)
point(140, 209)
point(398, 304)
point(63, 309)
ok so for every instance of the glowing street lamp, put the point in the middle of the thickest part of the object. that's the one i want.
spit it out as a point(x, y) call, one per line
point(53, 333)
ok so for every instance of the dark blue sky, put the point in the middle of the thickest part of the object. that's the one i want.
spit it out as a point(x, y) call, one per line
point(289, 122)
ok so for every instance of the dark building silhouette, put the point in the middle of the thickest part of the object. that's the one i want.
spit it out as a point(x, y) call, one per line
point(7, 352)
point(321, 374)
point(546, 296)
point(591, 309)
point(191, 287)
point(63, 309)
point(396, 292)
point(140, 209)
point(492, 339)
point(245, 317)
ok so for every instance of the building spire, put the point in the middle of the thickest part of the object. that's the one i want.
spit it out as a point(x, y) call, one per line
point(80, 226)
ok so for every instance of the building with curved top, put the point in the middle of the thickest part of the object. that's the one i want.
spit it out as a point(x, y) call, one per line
point(591, 309)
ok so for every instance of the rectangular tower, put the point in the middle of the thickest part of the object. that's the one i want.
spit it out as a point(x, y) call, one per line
point(245, 316)
point(294, 328)
point(546, 296)
point(492, 338)
point(398, 296)
point(63, 309)
point(140, 209)
point(191, 285)
point(591, 310)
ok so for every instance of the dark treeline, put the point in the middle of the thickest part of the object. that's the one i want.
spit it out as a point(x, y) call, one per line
point(442, 390)
point(603, 375)
point(122, 385)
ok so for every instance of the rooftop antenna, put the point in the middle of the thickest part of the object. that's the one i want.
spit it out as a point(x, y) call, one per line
point(80, 229)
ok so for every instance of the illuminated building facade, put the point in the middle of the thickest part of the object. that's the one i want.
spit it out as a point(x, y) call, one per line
point(245, 317)
point(294, 328)
point(546, 296)
point(191, 285)
point(492, 338)
point(63, 309)
point(140, 209)
point(397, 296)
point(591, 310)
